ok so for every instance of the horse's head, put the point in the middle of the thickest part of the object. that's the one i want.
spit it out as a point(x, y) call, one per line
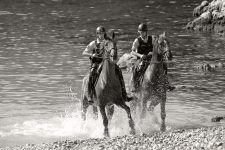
point(163, 47)
point(109, 48)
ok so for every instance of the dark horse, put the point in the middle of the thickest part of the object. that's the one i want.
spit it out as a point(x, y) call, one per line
point(107, 92)
point(154, 85)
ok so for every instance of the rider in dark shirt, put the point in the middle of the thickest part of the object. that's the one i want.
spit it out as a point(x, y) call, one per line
point(142, 48)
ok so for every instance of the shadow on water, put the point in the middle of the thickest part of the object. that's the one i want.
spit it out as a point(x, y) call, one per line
point(42, 67)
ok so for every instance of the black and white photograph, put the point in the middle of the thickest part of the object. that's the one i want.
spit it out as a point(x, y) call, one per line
point(112, 74)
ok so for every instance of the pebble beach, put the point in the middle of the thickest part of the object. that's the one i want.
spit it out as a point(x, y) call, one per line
point(204, 138)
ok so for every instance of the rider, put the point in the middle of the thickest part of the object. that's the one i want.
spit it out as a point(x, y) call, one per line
point(96, 51)
point(142, 48)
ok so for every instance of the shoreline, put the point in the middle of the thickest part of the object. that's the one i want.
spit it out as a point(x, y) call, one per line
point(207, 138)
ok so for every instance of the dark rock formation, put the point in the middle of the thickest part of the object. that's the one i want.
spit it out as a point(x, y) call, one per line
point(217, 118)
point(209, 17)
point(206, 67)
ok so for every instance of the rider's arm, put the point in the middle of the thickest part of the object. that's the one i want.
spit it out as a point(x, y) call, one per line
point(89, 49)
point(134, 49)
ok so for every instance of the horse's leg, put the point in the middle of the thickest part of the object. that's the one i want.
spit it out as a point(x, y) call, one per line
point(131, 121)
point(144, 107)
point(105, 121)
point(163, 114)
point(84, 107)
point(110, 112)
point(133, 105)
point(154, 101)
point(95, 112)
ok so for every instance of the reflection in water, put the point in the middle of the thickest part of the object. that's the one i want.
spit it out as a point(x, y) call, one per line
point(42, 67)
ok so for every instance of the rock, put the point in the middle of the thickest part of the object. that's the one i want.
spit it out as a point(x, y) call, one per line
point(217, 119)
point(209, 67)
point(209, 17)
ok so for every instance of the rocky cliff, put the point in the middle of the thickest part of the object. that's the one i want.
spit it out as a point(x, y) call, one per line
point(209, 17)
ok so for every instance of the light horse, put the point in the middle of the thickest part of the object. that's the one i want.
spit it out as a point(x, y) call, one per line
point(154, 85)
point(107, 91)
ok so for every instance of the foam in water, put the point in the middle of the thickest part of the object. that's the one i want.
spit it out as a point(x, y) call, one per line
point(70, 125)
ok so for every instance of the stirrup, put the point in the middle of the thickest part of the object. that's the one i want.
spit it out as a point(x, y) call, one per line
point(90, 102)
point(129, 98)
point(171, 88)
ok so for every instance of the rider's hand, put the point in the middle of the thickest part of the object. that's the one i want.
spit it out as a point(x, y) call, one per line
point(146, 57)
point(95, 58)
point(94, 55)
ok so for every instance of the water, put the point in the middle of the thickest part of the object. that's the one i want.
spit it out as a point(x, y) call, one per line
point(41, 67)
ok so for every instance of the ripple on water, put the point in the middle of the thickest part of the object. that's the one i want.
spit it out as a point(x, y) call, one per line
point(6, 13)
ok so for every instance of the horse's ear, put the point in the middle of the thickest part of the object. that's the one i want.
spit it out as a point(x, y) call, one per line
point(154, 38)
point(162, 37)
point(111, 34)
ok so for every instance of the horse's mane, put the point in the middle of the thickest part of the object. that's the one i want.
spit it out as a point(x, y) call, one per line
point(156, 64)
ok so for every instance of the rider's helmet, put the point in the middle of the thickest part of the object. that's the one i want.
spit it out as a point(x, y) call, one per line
point(100, 29)
point(143, 27)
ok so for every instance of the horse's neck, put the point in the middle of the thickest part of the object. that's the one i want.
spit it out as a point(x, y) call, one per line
point(107, 67)
point(154, 59)
point(108, 72)
point(154, 65)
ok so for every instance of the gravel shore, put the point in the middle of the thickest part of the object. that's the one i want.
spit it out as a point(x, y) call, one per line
point(205, 138)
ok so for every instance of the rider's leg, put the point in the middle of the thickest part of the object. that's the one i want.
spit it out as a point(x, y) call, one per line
point(138, 75)
point(134, 79)
point(122, 83)
point(91, 82)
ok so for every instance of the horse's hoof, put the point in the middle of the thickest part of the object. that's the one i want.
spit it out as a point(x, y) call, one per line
point(163, 128)
point(106, 134)
point(132, 132)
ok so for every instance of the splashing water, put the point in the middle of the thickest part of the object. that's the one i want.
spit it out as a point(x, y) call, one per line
point(70, 126)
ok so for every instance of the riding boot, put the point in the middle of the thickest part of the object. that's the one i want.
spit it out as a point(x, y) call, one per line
point(124, 92)
point(134, 79)
point(90, 96)
point(137, 77)
point(91, 83)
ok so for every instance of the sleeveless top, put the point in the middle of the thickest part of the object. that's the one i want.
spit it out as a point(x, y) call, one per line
point(145, 48)
point(99, 49)
point(104, 49)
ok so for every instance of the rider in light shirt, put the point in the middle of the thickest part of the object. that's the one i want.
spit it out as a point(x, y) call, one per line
point(103, 47)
